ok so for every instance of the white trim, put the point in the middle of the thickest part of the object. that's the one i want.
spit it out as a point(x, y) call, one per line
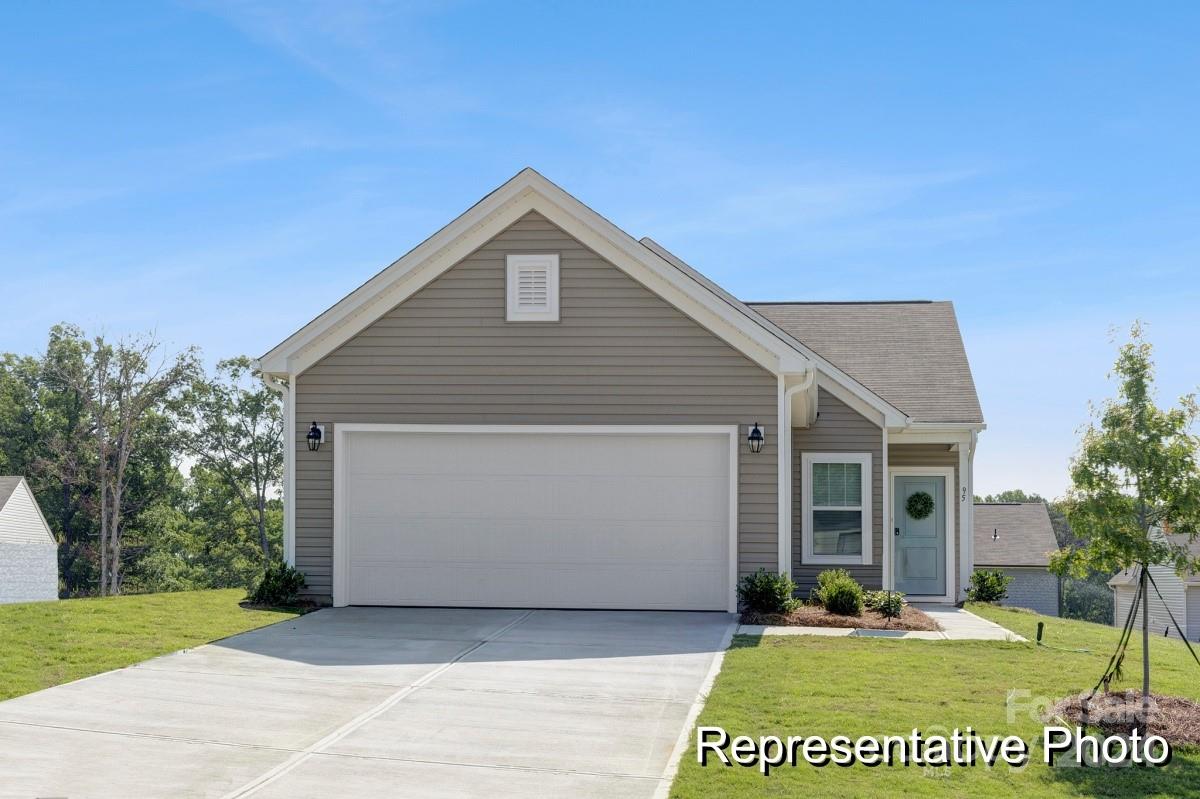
point(951, 491)
point(341, 576)
point(868, 520)
point(289, 482)
point(886, 532)
point(967, 508)
point(513, 264)
point(783, 415)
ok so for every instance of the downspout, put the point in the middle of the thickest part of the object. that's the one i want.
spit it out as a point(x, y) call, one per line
point(286, 389)
point(785, 465)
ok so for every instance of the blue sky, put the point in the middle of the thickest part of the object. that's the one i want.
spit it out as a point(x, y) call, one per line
point(221, 173)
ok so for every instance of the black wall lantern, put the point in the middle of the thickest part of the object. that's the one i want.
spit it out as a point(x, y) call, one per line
point(755, 439)
point(314, 437)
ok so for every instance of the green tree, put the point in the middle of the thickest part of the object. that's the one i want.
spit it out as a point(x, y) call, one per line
point(1135, 476)
point(235, 431)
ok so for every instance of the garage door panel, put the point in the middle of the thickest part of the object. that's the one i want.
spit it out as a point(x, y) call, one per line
point(537, 519)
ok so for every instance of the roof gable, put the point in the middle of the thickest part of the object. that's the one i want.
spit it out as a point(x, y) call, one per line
point(527, 191)
point(750, 333)
point(21, 519)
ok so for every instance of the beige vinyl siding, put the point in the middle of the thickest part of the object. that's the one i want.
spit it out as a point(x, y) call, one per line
point(838, 428)
point(936, 455)
point(620, 354)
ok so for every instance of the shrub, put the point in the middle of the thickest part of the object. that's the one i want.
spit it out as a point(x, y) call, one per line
point(890, 605)
point(988, 585)
point(839, 592)
point(767, 592)
point(280, 585)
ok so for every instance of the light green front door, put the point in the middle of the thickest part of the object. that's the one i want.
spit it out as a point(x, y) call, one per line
point(920, 544)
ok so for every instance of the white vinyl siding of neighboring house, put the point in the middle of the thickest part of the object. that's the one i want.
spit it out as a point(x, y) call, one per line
point(1193, 612)
point(28, 551)
point(1173, 598)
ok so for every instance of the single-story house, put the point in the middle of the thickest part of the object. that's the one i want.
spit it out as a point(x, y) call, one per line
point(1180, 595)
point(1017, 538)
point(28, 549)
point(534, 409)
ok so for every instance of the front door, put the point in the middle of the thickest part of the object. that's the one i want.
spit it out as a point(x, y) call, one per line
point(920, 534)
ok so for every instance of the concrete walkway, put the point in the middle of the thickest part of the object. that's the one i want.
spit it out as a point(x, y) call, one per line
point(381, 702)
point(957, 625)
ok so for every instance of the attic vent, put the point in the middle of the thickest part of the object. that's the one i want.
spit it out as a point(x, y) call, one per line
point(532, 288)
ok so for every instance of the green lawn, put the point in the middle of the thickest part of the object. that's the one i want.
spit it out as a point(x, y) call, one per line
point(829, 686)
point(48, 643)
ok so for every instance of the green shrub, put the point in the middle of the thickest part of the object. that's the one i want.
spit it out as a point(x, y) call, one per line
point(767, 592)
point(280, 585)
point(839, 592)
point(889, 604)
point(988, 585)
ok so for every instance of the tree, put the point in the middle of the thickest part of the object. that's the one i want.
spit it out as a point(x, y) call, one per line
point(1134, 479)
point(236, 432)
point(125, 390)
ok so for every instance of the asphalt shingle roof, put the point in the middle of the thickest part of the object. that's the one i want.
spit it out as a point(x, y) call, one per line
point(909, 353)
point(1023, 534)
point(7, 486)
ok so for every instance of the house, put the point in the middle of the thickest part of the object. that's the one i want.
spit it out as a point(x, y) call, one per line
point(1180, 597)
point(28, 550)
point(1017, 539)
point(534, 409)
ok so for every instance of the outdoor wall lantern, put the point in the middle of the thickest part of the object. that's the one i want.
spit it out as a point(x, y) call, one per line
point(755, 439)
point(315, 435)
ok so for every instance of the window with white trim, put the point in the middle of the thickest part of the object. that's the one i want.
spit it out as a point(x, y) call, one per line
point(836, 521)
point(532, 288)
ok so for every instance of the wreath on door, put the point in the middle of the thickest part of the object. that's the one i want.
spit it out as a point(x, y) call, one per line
point(919, 505)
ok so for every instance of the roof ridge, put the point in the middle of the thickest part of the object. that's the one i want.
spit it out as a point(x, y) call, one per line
point(842, 302)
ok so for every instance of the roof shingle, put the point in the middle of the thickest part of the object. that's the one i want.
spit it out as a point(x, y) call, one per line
point(1013, 534)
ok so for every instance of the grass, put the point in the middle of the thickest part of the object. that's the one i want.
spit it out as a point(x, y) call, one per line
point(852, 686)
point(48, 643)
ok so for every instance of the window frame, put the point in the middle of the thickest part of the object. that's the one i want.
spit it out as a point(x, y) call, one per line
point(513, 263)
point(808, 460)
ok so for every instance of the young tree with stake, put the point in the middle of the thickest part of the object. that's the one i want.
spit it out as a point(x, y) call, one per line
point(1134, 481)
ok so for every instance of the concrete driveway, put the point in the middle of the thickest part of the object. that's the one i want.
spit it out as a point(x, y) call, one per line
point(366, 702)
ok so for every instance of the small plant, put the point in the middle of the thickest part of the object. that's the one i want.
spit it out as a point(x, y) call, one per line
point(889, 604)
point(988, 585)
point(280, 585)
point(767, 592)
point(839, 592)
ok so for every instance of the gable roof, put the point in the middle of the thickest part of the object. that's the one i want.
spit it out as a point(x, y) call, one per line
point(1129, 576)
point(1023, 534)
point(7, 486)
point(758, 338)
point(21, 517)
point(899, 350)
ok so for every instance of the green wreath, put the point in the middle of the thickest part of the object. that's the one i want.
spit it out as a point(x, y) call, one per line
point(919, 505)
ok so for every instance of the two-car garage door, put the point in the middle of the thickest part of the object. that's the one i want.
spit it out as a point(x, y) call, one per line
point(534, 517)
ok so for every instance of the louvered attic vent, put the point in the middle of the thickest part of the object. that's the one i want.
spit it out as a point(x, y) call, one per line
point(532, 288)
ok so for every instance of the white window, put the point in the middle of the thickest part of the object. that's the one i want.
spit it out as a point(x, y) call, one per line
point(836, 523)
point(532, 288)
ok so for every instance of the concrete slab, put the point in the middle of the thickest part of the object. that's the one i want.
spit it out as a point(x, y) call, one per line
point(526, 730)
point(363, 702)
point(324, 776)
point(43, 761)
point(959, 624)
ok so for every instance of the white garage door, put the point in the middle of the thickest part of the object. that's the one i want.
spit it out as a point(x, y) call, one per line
point(534, 519)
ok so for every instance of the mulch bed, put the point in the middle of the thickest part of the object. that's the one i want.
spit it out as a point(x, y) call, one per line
point(817, 616)
point(1173, 717)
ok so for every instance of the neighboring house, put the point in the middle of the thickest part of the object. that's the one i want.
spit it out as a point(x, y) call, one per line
point(1180, 595)
point(28, 551)
point(534, 409)
point(1017, 539)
